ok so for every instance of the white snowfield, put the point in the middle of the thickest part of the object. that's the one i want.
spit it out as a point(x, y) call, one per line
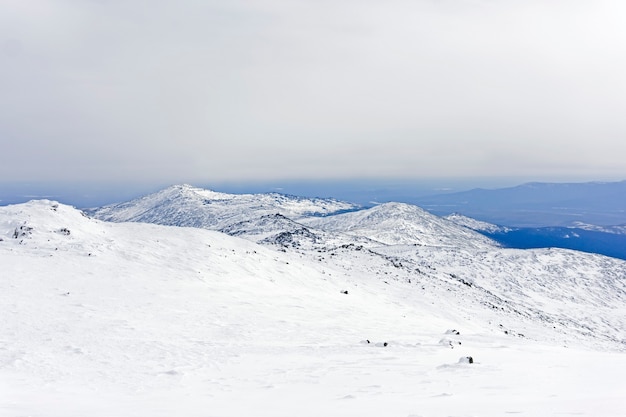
point(132, 319)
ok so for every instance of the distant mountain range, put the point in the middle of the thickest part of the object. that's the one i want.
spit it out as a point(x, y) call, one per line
point(313, 221)
point(261, 216)
point(537, 204)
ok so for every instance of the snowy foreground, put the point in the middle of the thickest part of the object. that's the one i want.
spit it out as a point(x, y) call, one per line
point(130, 319)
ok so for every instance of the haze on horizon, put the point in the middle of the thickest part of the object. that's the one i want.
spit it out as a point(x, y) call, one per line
point(237, 90)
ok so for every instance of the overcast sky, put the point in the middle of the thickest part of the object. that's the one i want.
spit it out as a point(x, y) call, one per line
point(218, 90)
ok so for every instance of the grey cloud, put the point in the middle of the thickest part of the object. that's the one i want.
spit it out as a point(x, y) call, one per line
point(267, 89)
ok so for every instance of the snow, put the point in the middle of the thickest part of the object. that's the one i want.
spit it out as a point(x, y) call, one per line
point(398, 223)
point(618, 229)
point(184, 205)
point(134, 319)
point(474, 224)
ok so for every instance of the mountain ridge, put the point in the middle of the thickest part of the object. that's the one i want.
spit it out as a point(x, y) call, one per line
point(185, 205)
point(536, 204)
point(401, 223)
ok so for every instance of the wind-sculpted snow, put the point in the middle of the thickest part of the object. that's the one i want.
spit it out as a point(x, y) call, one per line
point(100, 319)
point(184, 205)
point(397, 223)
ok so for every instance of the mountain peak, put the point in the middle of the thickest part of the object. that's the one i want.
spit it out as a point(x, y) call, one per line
point(396, 208)
point(186, 205)
point(401, 223)
point(190, 191)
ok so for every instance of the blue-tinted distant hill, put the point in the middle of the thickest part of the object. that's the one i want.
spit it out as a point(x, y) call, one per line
point(537, 204)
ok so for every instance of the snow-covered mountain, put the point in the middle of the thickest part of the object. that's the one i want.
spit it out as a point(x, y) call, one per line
point(399, 223)
point(405, 243)
point(474, 224)
point(100, 318)
point(184, 205)
point(276, 217)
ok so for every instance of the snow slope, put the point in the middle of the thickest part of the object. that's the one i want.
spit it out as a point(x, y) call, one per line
point(132, 319)
point(576, 294)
